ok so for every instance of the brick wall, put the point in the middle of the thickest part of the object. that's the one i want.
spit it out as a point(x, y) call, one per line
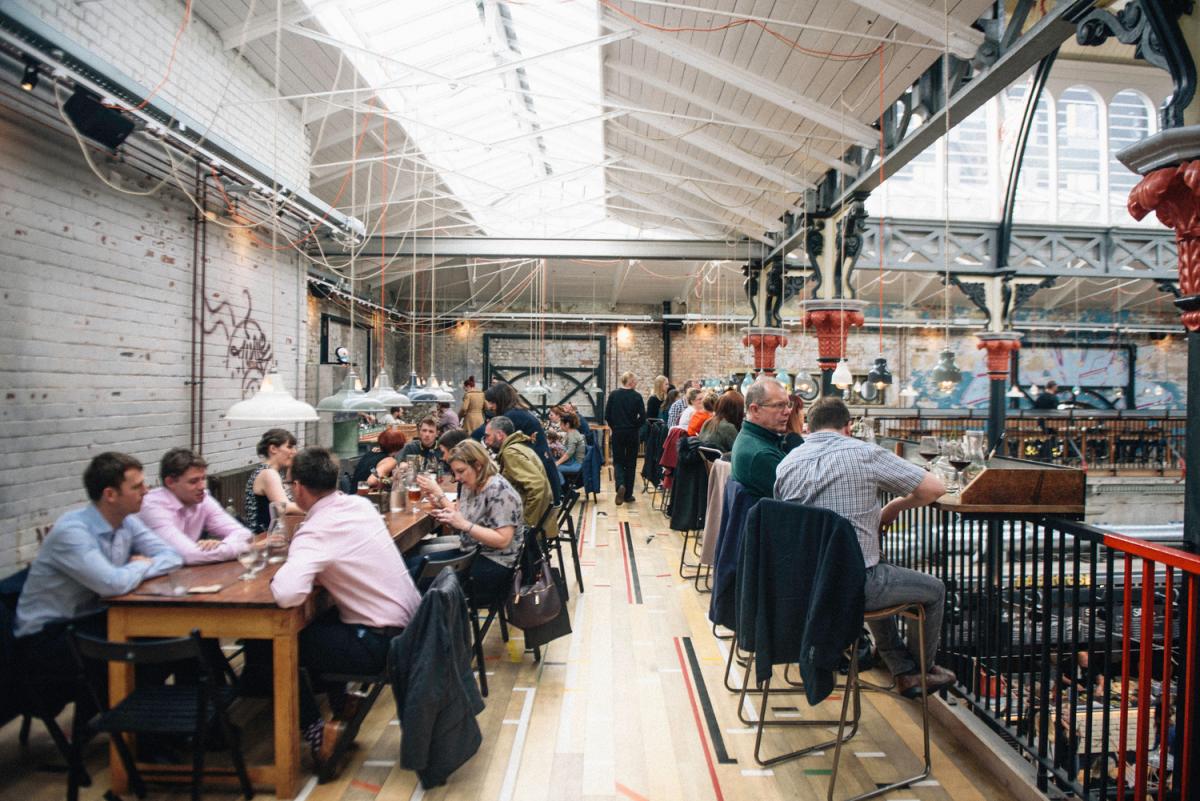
point(95, 332)
point(207, 82)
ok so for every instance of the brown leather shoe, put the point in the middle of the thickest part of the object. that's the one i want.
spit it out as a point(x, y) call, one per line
point(909, 685)
point(620, 499)
point(333, 733)
point(350, 704)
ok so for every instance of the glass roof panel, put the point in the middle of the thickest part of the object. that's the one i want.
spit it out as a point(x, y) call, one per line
point(502, 100)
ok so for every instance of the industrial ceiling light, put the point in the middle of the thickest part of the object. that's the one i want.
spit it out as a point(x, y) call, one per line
point(946, 375)
point(880, 375)
point(841, 376)
point(1014, 392)
point(30, 79)
point(385, 393)
point(350, 398)
point(272, 403)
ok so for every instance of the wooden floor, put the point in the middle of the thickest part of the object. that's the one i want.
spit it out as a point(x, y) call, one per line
point(630, 707)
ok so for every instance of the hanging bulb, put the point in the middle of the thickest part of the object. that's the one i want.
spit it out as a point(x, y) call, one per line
point(1014, 392)
point(272, 403)
point(1118, 393)
point(908, 391)
point(804, 385)
point(946, 375)
point(880, 375)
point(1076, 390)
point(781, 376)
point(1158, 390)
point(1034, 390)
point(842, 377)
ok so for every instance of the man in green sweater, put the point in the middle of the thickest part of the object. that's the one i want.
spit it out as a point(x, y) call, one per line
point(764, 439)
point(523, 469)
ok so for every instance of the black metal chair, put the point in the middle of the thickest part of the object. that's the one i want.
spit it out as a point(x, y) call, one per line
point(157, 710)
point(568, 532)
point(431, 567)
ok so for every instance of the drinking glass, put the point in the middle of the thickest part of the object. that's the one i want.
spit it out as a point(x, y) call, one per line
point(260, 558)
point(364, 488)
point(956, 456)
point(277, 543)
point(929, 450)
point(414, 494)
point(248, 558)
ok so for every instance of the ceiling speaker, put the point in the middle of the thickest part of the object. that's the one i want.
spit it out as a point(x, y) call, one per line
point(107, 126)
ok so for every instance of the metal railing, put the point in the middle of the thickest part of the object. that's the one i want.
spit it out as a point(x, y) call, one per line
point(1117, 442)
point(1076, 644)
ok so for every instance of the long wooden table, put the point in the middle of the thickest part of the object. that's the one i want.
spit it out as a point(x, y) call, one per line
point(240, 609)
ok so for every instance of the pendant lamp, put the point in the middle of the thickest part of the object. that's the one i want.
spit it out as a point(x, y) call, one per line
point(1014, 392)
point(804, 384)
point(386, 394)
point(350, 398)
point(946, 375)
point(880, 375)
point(908, 392)
point(1034, 390)
point(784, 380)
point(272, 403)
point(842, 378)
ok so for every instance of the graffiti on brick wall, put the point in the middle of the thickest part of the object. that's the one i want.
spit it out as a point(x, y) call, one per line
point(248, 351)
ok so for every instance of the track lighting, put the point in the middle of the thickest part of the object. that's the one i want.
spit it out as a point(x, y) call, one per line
point(30, 79)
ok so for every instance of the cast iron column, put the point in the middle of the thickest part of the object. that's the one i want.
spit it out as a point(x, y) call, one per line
point(999, 346)
point(831, 321)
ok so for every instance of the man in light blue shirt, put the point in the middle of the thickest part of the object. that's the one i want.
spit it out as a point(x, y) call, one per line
point(100, 551)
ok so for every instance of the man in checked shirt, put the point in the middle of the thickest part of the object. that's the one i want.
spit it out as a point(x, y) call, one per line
point(834, 471)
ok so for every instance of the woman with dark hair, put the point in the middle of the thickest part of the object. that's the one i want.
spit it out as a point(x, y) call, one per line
point(265, 485)
point(373, 467)
point(471, 412)
point(720, 431)
point(672, 396)
point(501, 398)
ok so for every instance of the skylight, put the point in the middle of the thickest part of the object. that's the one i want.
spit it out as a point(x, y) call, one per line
point(502, 99)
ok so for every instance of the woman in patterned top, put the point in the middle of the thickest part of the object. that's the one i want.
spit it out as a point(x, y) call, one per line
point(488, 514)
point(265, 485)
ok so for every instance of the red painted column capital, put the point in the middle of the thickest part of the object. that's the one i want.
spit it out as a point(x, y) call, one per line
point(999, 349)
point(1173, 194)
point(832, 326)
point(764, 346)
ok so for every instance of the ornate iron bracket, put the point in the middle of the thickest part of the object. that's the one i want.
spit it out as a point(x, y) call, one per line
point(1170, 287)
point(1152, 27)
point(1014, 296)
point(850, 231)
point(976, 292)
point(814, 246)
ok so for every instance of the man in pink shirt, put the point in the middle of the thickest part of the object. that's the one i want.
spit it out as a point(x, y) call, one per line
point(344, 546)
point(181, 510)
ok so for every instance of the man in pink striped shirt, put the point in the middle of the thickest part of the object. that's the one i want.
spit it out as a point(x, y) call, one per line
point(344, 546)
point(181, 510)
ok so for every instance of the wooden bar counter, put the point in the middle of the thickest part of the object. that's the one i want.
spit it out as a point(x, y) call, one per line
point(214, 600)
point(1011, 487)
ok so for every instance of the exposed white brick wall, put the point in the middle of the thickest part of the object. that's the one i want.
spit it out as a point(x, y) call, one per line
point(207, 83)
point(95, 328)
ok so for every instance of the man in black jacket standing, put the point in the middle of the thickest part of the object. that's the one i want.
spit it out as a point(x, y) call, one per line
point(625, 412)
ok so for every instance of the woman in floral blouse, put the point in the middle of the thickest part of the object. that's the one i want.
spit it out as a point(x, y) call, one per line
point(488, 514)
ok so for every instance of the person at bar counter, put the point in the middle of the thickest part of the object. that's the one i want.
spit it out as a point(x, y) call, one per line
point(425, 445)
point(379, 463)
point(344, 546)
point(265, 484)
point(99, 551)
point(764, 438)
point(488, 513)
point(1047, 399)
point(471, 411)
point(520, 465)
point(181, 511)
point(625, 413)
point(835, 471)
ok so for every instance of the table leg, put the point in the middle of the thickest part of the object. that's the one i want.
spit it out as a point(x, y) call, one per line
point(287, 715)
point(120, 685)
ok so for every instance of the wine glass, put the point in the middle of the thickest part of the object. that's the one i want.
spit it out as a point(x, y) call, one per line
point(958, 459)
point(248, 558)
point(929, 450)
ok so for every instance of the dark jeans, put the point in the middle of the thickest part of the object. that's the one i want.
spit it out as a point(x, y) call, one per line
point(327, 645)
point(624, 455)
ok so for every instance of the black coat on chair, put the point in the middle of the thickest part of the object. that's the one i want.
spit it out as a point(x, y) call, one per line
point(689, 492)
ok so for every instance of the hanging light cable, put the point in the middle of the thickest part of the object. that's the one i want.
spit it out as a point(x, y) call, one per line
point(946, 374)
point(842, 377)
point(880, 375)
point(350, 396)
point(272, 402)
point(383, 390)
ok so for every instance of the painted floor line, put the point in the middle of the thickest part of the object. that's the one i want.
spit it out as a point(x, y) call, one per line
point(508, 788)
point(309, 786)
point(870, 754)
point(758, 772)
point(379, 763)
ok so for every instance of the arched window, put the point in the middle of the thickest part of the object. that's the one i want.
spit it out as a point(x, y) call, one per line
point(970, 172)
point(1129, 121)
point(1034, 197)
point(1080, 197)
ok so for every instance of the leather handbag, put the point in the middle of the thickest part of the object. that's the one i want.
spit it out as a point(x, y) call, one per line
point(536, 603)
